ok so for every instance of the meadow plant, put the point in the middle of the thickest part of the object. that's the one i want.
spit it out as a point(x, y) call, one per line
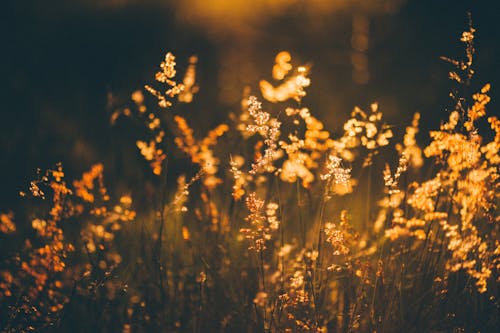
point(261, 235)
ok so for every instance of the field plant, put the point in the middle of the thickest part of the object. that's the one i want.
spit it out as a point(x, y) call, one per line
point(269, 222)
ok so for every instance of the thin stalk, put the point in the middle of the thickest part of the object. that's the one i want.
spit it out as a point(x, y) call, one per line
point(318, 272)
point(161, 212)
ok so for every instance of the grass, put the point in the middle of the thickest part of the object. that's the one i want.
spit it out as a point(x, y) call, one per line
point(279, 226)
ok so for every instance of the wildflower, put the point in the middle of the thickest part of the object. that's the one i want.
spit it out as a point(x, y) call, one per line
point(340, 236)
point(363, 130)
point(166, 76)
point(335, 172)
point(390, 181)
point(200, 151)
point(469, 177)
point(151, 153)
point(182, 193)
point(263, 222)
point(478, 109)
point(270, 130)
point(260, 117)
point(85, 186)
point(303, 154)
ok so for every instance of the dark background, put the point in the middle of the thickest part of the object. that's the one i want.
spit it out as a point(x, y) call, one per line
point(61, 59)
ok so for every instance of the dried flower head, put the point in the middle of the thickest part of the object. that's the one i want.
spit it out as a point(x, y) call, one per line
point(200, 151)
point(269, 128)
point(263, 222)
point(363, 130)
point(335, 172)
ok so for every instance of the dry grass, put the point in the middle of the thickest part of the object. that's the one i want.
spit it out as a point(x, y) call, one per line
point(273, 231)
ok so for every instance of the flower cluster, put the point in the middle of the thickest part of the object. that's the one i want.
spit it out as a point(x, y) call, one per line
point(461, 197)
point(263, 222)
point(391, 181)
point(166, 76)
point(302, 154)
point(200, 151)
point(335, 172)
point(341, 237)
point(43, 279)
point(99, 233)
point(269, 128)
point(39, 279)
point(363, 130)
point(152, 149)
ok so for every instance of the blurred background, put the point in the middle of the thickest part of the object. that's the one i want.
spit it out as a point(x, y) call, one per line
point(61, 60)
